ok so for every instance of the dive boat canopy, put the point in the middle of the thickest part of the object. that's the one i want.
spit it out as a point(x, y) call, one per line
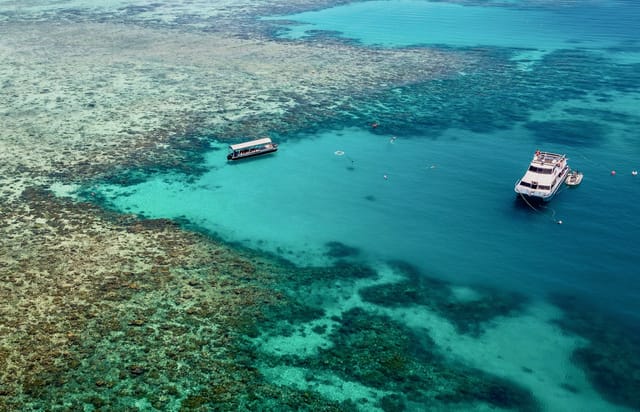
point(251, 148)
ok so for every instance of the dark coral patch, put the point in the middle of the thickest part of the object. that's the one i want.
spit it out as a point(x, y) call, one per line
point(467, 316)
point(603, 115)
point(337, 249)
point(341, 270)
point(379, 352)
point(611, 360)
point(569, 132)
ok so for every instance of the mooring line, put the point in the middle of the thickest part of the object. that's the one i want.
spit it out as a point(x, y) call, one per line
point(553, 212)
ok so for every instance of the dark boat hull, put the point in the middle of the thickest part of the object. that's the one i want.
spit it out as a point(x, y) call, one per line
point(251, 154)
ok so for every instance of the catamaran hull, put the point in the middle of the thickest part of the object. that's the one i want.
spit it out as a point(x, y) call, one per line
point(540, 196)
point(534, 198)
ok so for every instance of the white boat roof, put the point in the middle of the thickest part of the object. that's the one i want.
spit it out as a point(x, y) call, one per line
point(252, 143)
point(543, 169)
point(547, 158)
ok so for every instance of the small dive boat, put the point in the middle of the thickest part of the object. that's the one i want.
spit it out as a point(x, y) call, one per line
point(573, 178)
point(544, 176)
point(251, 148)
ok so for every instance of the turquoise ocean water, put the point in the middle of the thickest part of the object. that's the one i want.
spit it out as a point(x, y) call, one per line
point(432, 185)
point(448, 204)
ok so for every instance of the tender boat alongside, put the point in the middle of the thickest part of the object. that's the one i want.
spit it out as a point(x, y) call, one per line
point(546, 173)
point(574, 178)
point(251, 149)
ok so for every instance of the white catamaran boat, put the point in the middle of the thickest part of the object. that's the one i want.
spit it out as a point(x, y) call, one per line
point(251, 148)
point(543, 178)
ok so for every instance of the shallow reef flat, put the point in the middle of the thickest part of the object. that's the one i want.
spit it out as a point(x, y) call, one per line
point(108, 311)
point(82, 98)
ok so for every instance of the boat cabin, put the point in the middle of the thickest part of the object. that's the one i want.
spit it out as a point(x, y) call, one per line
point(544, 176)
point(251, 148)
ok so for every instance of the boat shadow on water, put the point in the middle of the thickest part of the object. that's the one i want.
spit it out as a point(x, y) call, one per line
point(532, 204)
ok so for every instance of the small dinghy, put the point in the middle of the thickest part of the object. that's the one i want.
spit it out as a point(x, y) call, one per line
point(573, 178)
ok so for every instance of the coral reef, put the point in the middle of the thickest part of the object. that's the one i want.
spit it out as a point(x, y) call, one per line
point(468, 316)
point(113, 312)
point(340, 250)
point(362, 346)
point(611, 359)
point(101, 310)
point(139, 99)
point(107, 311)
point(380, 353)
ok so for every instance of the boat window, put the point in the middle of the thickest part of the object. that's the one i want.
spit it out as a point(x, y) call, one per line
point(540, 170)
point(525, 184)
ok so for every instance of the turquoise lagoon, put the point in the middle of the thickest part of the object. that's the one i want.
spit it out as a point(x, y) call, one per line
point(433, 184)
point(445, 205)
point(519, 24)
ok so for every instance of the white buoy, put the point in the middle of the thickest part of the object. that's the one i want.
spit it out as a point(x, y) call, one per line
point(635, 173)
point(559, 222)
point(338, 153)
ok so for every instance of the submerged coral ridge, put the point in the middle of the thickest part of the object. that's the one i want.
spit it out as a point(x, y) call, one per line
point(611, 359)
point(469, 316)
point(379, 352)
point(139, 98)
point(320, 329)
point(107, 311)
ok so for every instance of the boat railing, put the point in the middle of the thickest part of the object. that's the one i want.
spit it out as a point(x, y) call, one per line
point(548, 158)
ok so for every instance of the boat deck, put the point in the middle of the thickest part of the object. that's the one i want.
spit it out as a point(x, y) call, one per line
point(547, 158)
point(543, 177)
point(252, 148)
